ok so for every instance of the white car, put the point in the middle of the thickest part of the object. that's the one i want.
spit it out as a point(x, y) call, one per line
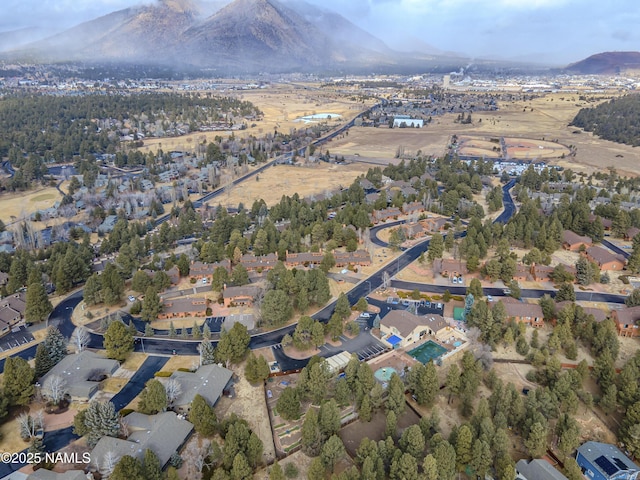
point(132, 298)
point(204, 281)
point(489, 298)
point(365, 315)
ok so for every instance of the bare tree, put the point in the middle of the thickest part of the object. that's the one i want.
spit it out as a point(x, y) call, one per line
point(173, 390)
point(385, 280)
point(54, 388)
point(197, 457)
point(80, 339)
point(109, 462)
point(26, 425)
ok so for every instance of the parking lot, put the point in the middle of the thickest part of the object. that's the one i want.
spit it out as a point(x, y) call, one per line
point(215, 323)
point(15, 339)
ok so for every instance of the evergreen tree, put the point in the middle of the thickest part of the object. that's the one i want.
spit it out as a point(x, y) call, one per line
point(128, 468)
point(311, 437)
point(17, 381)
point(101, 419)
point(151, 466)
point(118, 341)
point(207, 353)
point(151, 305)
point(395, 395)
point(43, 361)
point(172, 330)
point(332, 451)
point(343, 309)
point(202, 416)
point(275, 472)
point(233, 344)
point(55, 344)
point(38, 307)
point(206, 332)
point(153, 399)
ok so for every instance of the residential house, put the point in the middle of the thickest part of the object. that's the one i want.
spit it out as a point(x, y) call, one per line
point(598, 314)
point(627, 321)
point(173, 273)
point(108, 224)
point(542, 273)
point(434, 224)
point(164, 434)
point(83, 373)
point(520, 312)
point(631, 232)
point(183, 307)
point(303, 258)
point(200, 270)
point(388, 213)
point(258, 263)
point(244, 295)
point(359, 257)
point(413, 230)
point(209, 381)
point(447, 267)
point(12, 309)
point(400, 328)
point(44, 474)
point(607, 223)
point(413, 207)
point(537, 470)
point(603, 461)
point(605, 259)
point(573, 242)
point(523, 273)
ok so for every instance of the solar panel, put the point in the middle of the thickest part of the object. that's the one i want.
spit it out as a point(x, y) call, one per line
point(621, 465)
point(606, 466)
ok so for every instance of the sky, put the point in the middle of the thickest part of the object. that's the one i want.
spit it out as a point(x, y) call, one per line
point(551, 32)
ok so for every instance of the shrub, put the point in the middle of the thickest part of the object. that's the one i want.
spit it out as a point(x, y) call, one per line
point(162, 374)
point(183, 369)
point(290, 470)
point(126, 411)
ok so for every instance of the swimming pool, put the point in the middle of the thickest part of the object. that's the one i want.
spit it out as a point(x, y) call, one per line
point(427, 351)
point(384, 374)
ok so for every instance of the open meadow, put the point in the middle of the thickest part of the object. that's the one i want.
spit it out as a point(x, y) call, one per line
point(21, 204)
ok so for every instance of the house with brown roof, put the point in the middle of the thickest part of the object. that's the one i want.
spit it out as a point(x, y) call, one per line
point(8, 319)
point(631, 232)
point(359, 257)
point(200, 270)
point(173, 273)
point(605, 259)
point(413, 230)
point(244, 295)
point(607, 223)
point(573, 242)
point(388, 213)
point(183, 307)
point(303, 258)
point(448, 267)
point(261, 263)
point(523, 273)
point(597, 314)
point(627, 321)
point(400, 328)
point(434, 224)
point(528, 313)
point(412, 207)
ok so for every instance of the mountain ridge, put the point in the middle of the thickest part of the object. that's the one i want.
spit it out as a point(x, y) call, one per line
point(606, 63)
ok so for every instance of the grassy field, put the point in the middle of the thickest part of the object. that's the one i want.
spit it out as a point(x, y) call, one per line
point(287, 180)
point(22, 204)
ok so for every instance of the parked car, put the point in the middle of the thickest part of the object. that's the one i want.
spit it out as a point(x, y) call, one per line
point(365, 315)
point(132, 298)
point(439, 306)
point(489, 298)
point(204, 281)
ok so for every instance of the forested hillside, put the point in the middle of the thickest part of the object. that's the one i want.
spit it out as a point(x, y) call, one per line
point(617, 120)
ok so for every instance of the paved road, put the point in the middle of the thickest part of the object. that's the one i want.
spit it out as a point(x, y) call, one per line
point(615, 248)
point(136, 383)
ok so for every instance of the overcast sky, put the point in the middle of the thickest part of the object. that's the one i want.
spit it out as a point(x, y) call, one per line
point(548, 31)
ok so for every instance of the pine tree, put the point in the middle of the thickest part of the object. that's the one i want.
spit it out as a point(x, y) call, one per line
point(172, 330)
point(206, 332)
point(151, 305)
point(202, 416)
point(38, 307)
point(153, 398)
point(55, 344)
point(207, 353)
point(196, 334)
point(118, 341)
point(101, 419)
point(17, 381)
point(151, 466)
point(43, 361)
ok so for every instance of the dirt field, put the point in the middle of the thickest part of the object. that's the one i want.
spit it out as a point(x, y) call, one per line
point(286, 180)
point(546, 119)
point(249, 403)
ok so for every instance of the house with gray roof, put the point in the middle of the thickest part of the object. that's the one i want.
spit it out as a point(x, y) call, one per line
point(163, 433)
point(537, 470)
point(83, 373)
point(209, 381)
point(44, 474)
point(603, 461)
point(108, 224)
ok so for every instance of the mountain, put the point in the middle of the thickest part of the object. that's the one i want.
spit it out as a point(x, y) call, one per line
point(244, 36)
point(18, 38)
point(136, 34)
point(606, 63)
point(267, 35)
